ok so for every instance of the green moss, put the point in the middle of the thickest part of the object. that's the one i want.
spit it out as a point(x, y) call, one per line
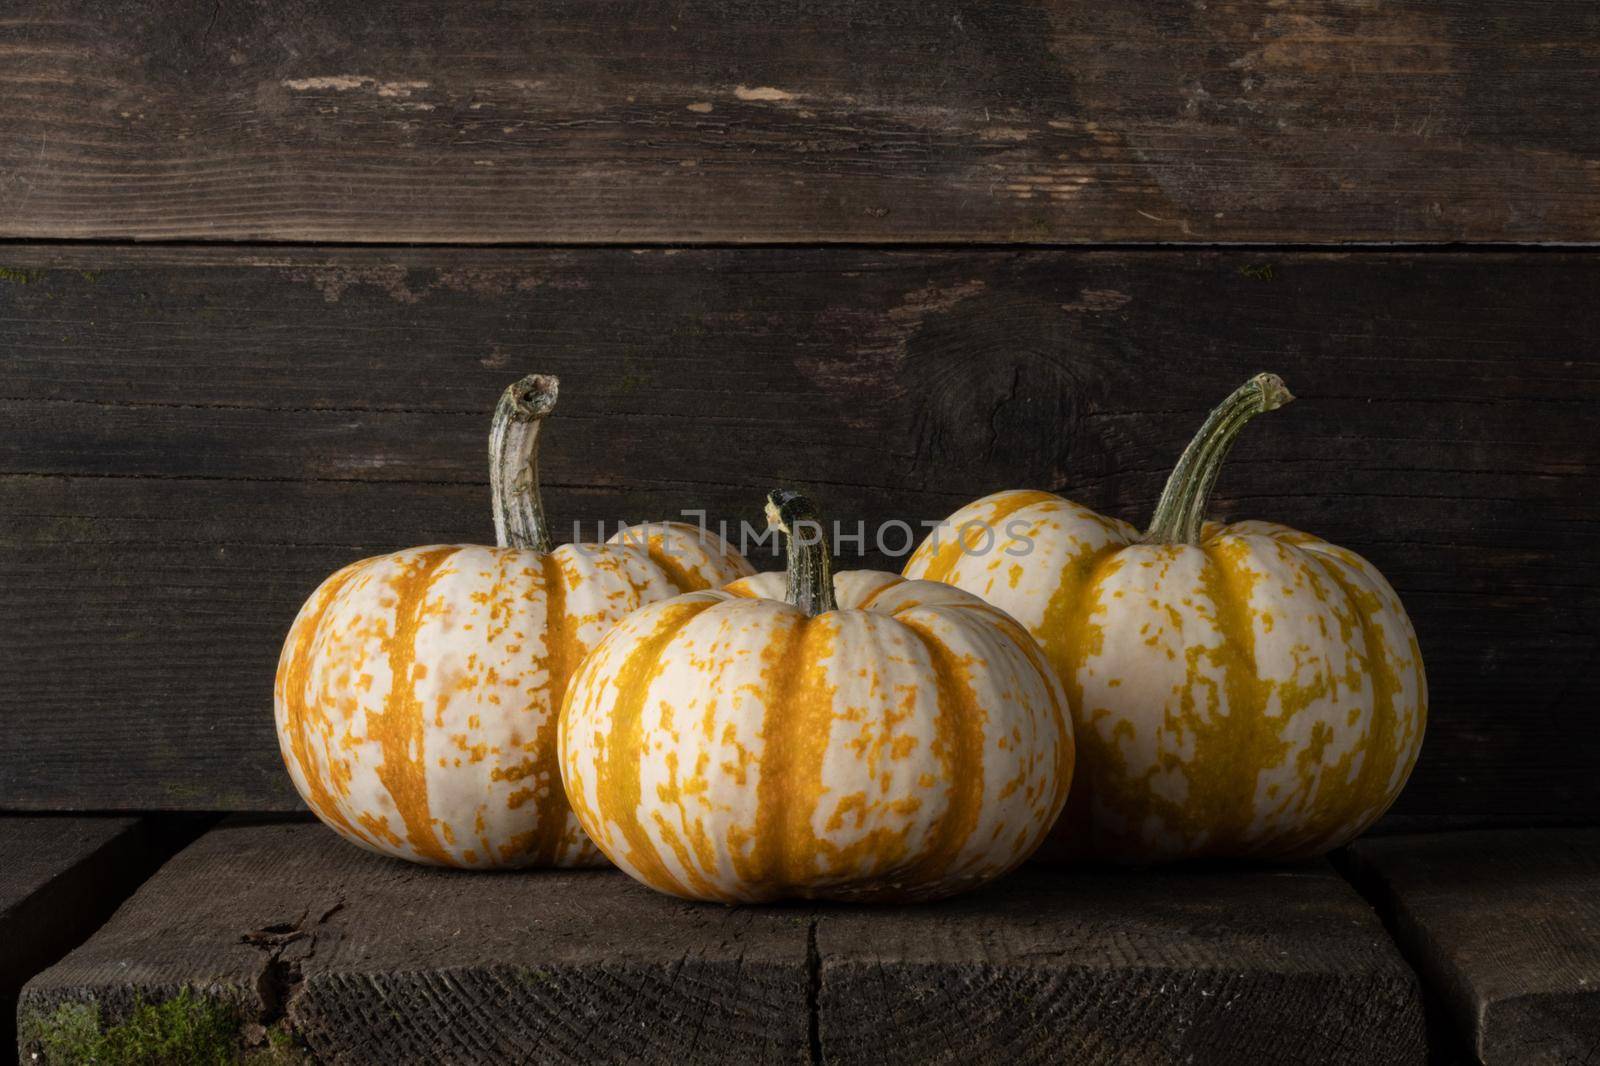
point(65, 1034)
point(19, 277)
point(186, 1030)
point(281, 1050)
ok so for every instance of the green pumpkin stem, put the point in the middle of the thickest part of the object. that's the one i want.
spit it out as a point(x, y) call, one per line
point(810, 584)
point(1181, 513)
point(519, 520)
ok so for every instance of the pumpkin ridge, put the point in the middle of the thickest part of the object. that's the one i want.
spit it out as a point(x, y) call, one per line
point(1244, 730)
point(1072, 604)
point(792, 747)
point(1383, 743)
point(959, 741)
point(399, 729)
point(866, 603)
point(1069, 636)
point(1033, 651)
point(943, 559)
point(619, 774)
point(688, 838)
point(293, 671)
point(559, 662)
point(654, 551)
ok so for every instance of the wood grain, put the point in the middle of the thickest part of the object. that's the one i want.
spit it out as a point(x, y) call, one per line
point(359, 959)
point(191, 439)
point(893, 120)
point(60, 878)
point(370, 960)
point(1505, 928)
point(1194, 965)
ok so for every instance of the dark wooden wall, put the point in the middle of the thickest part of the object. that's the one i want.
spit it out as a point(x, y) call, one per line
point(899, 253)
point(836, 120)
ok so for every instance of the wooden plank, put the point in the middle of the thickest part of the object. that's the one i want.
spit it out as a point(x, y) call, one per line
point(192, 439)
point(360, 959)
point(1504, 926)
point(352, 958)
point(1195, 965)
point(895, 120)
point(59, 880)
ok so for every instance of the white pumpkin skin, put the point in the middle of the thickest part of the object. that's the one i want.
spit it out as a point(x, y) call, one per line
point(1259, 692)
point(456, 765)
point(418, 693)
point(726, 746)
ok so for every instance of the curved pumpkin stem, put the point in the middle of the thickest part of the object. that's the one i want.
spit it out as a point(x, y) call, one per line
point(810, 585)
point(519, 520)
point(1181, 513)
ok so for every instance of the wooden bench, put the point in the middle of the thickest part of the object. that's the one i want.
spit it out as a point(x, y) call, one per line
point(280, 939)
point(287, 929)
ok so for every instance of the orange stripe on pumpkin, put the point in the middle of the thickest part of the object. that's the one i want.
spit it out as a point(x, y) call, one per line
point(1382, 742)
point(399, 728)
point(1245, 737)
point(618, 773)
point(683, 578)
point(796, 729)
point(947, 555)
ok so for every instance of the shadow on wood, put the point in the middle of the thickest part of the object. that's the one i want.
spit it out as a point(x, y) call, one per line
point(1505, 929)
point(60, 878)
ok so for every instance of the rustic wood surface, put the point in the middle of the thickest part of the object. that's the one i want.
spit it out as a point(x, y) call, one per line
point(370, 960)
point(1505, 927)
point(894, 120)
point(192, 439)
point(361, 959)
point(59, 879)
point(1226, 965)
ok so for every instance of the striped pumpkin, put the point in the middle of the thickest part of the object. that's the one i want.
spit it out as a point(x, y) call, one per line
point(905, 741)
point(1239, 689)
point(418, 692)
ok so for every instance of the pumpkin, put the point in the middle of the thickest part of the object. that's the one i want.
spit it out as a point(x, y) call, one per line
point(418, 692)
point(793, 735)
point(1239, 690)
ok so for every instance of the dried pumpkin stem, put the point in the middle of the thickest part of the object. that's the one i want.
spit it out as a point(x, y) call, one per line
point(1181, 513)
point(810, 584)
point(519, 520)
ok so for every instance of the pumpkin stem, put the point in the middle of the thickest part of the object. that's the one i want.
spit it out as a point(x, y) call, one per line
point(519, 520)
point(1181, 513)
point(810, 585)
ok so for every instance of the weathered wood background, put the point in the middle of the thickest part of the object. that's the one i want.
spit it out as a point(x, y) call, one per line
point(194, 438)
point(194, 434)
point(766, 120)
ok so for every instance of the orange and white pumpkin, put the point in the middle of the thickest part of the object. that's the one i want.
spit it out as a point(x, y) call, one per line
point(907, 741)
point(1239, 689)
point(418, 693)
